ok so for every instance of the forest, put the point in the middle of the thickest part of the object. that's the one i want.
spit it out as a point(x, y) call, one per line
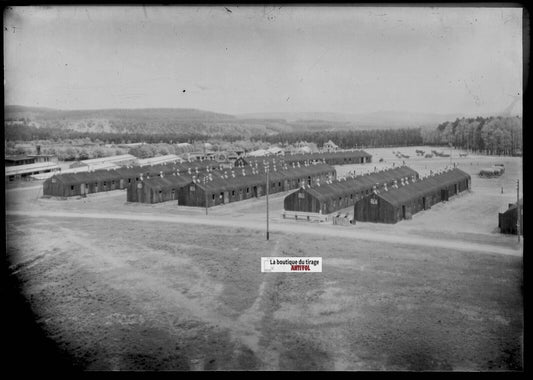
point(352, 138)
point(491, 135)
point(24, 132)
point(486, 135)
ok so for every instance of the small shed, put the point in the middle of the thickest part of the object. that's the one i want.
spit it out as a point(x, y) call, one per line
point(507, 220)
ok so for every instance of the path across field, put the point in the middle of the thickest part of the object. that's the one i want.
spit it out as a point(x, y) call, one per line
point(351, 233)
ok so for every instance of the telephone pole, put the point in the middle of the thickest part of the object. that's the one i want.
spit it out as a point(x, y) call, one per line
point(205, 191)
point(518, 213)
point(267, 191)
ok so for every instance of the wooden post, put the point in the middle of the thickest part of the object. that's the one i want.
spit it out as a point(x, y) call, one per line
point(267, 192)
point(205, 190)
point(518, 209)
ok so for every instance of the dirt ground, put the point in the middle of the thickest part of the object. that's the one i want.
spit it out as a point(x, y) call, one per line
point(442, 291)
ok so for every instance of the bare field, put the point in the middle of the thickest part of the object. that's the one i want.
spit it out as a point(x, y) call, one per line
point(156, 296)
point(135, 286)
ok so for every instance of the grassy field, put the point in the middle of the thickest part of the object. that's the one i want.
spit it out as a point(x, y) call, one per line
point(150, 295)
point(158, 297)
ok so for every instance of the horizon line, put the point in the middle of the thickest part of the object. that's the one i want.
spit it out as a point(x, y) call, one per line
point(261, 112)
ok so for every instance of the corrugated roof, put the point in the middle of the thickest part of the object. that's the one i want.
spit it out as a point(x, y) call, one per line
point(252, 176)
point(167, 182)
point(222, 183)
point(263, 160)
point(326, 155)
point(17, 157)
point(417, 189)
point(350, 185)
point(30, 168)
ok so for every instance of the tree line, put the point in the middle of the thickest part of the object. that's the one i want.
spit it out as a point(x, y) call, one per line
point(30, 133)
point(352, 138)
point(487, 135)
point(345, 139)
point(491, 135)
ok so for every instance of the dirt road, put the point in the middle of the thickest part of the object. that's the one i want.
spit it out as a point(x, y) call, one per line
point(325, 230)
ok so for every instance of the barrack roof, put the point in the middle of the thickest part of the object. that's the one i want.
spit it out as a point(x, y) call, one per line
point(424, 186)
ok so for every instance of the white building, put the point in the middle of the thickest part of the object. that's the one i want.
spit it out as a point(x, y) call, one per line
point(26, 171)
point(159, 160)
point(275, 151)
point(330, 146)
point(258, 153)
point(123, 159)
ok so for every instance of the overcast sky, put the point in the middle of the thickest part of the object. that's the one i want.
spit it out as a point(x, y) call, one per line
point(265, 59)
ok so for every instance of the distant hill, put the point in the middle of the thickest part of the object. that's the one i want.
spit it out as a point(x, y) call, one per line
point(147, 121)
point(370, 120)
point(137, 113)
point(193, 121)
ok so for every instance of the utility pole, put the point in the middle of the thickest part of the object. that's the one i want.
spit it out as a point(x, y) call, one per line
point(518, 209)
point(205, 191)
point(450, 153)
point(267, 191)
